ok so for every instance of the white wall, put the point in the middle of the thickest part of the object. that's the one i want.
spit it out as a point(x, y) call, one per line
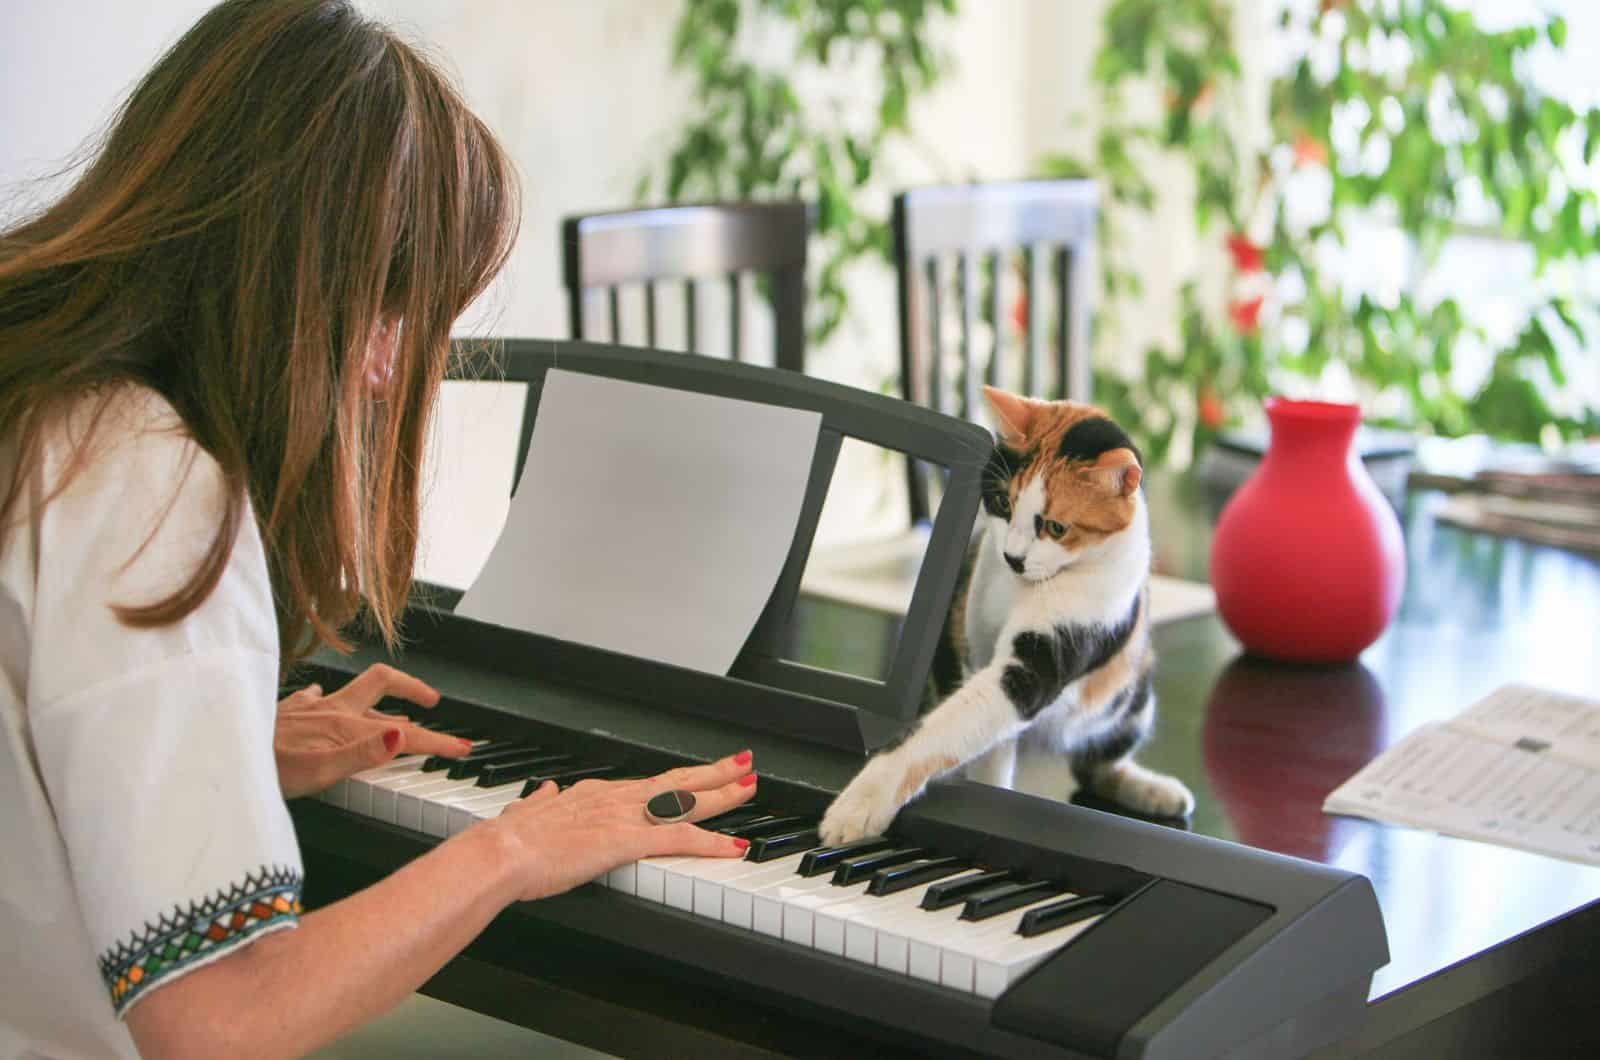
point(582, 95)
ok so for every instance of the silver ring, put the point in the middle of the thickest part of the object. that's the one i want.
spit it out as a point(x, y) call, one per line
point(669, 806)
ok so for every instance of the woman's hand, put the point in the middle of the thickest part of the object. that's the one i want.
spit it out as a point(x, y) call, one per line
point(561, 838)
point(319, 740)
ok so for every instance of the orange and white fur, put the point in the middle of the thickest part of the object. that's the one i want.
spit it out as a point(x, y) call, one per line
point(1051, 626)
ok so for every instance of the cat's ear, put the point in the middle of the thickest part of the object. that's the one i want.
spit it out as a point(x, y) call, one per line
point(1014, 416)
point(1117, 472)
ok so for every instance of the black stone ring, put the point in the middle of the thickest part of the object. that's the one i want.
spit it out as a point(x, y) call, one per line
point(669, 806)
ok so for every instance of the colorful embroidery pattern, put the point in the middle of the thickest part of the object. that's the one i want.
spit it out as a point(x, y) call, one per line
point(265, 899)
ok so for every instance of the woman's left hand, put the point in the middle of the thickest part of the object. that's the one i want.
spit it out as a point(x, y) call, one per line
point(319, 740)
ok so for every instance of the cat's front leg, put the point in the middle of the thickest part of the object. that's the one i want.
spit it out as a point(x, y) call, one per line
point(971, 721)
point(996, 767)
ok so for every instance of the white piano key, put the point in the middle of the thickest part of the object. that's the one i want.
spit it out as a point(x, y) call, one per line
point(359, 795)
point(386, 794)
point(707, 875)
point(410, 800)
point(338, 795)
point(738, 893)
point(799, 912)
point(957, 963)
point(830, 931)
point(651, 882)
point(1008, 957)
point(624, 878)
point(863, 919)
point(467, 810)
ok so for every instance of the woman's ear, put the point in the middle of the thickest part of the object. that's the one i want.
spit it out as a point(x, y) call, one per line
point(379, 368)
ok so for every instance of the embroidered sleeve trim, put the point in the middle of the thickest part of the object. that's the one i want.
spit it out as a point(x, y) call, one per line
point(265, 900)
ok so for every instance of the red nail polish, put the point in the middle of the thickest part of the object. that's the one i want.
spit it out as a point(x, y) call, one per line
point(391, 740)
point(466, 745)
point(743, 758)
point(742, 844)
point(747, 780)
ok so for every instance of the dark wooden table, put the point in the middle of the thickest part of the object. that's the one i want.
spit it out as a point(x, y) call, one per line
point(1491, 947)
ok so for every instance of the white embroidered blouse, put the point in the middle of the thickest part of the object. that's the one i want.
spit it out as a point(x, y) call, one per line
point(144, 833)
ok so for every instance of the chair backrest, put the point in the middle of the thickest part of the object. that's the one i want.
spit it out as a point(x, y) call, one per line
point(603, 252)
point(976, 234)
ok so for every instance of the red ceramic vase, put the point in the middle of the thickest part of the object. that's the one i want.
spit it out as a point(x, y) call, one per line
point(1308, 561)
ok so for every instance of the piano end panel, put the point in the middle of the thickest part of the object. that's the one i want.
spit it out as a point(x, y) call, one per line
point(1096, 992)
point(1181, 972)
point(1304, 981)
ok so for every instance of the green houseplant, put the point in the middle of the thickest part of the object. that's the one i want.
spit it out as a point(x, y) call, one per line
point(1399, 112)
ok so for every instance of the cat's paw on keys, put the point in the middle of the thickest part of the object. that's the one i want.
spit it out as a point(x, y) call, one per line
point(866, 807)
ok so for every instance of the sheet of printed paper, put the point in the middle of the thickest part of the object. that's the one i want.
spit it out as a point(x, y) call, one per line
point(1567, 726)
point(1497, 778)
point(648, 520)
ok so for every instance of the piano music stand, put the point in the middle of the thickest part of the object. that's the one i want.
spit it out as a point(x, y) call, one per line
point(762, 690)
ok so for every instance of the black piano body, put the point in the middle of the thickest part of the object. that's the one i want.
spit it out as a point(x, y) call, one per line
point(1209, 948)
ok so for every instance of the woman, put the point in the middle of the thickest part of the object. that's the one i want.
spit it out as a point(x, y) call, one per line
point(218, 353)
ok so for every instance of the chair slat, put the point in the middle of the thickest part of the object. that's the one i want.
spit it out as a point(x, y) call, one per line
point(735, 318)
point(997, 375)
point(935, 365)
point(1063, 349)
point(1034, 293)
point(690, 331)
point(649, 313)
point(969, 328)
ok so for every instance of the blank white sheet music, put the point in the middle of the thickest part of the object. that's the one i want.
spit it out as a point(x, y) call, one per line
point(648, 520)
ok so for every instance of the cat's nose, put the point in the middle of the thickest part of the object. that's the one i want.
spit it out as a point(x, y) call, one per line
point(1014, 562)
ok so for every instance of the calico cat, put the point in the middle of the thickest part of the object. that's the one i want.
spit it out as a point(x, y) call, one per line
point(1051, 626)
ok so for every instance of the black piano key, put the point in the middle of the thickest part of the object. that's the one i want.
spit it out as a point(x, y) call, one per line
point(493, 774)
point(465, 732)
point(736, 816)
point(766, 826)
point(1007, 897)
point(768, 847)
point(474, 762)
point(825, 859)
point(1060, 914)
point(858, 868)
point(480, 753)
point(898, 878)
point(948, 893)
point(563, 777)
point(725, 827)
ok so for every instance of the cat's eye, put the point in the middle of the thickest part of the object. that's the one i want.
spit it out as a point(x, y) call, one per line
point(1002, 507)
point(1053, 528)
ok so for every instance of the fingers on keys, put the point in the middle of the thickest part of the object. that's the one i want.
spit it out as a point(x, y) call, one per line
point(704, 778)
point(379, 680)
point(417, 740)
point(691, 840)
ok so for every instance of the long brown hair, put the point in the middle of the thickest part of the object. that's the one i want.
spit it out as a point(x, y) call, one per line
point(289, 176)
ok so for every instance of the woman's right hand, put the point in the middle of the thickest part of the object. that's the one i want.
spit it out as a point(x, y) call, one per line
point(561, 838)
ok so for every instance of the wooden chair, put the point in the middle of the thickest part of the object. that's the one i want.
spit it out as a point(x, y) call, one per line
point(981, 231)
point(601, 253)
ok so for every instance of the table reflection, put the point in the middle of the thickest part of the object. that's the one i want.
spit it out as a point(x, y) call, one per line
point(1278, 738)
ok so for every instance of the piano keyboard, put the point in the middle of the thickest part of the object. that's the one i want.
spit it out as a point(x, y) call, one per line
point(907, 910)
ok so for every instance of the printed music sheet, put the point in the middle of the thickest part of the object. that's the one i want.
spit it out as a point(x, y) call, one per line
point(648, 520)
point(1520, 768)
